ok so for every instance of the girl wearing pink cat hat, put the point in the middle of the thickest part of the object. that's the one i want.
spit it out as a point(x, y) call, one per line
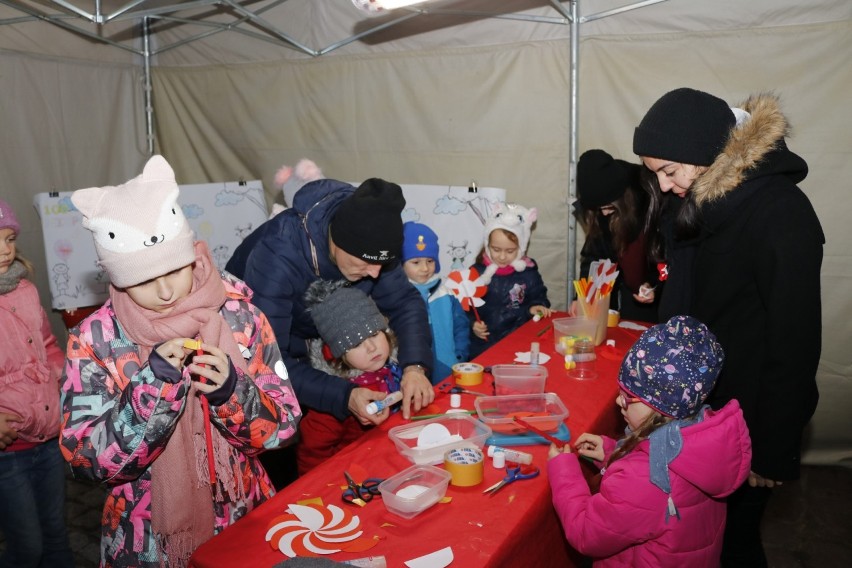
point(174, 386)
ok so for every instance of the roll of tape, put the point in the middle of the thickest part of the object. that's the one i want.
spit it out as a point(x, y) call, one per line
point(465, 466)
point(612, 318)
point(468, 374)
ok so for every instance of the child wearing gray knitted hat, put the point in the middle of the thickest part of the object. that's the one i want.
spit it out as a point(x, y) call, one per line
point(663, 486)
point(355, 344)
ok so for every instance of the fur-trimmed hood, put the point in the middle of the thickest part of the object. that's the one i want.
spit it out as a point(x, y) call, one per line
point(747, 152)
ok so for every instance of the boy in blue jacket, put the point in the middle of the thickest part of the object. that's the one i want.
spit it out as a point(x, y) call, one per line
point(449, 323)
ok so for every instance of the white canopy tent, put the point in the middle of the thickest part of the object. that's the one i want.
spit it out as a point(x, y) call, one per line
point(443, 93)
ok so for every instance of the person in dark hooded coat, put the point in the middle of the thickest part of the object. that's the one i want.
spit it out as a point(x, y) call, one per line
point(755, 276)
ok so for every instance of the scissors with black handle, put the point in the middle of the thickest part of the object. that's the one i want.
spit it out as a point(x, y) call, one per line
point(360, 493)
point(513, 473)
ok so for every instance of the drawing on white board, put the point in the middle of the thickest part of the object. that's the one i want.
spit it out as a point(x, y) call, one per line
point(222, 217)
point(458, 252)
point(234, 194)
point(242, 231)
point(61, 278)
point(221, 254)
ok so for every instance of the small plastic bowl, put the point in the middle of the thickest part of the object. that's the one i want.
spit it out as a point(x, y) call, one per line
point(545, 411)
point(466, 431)
point(568, 330)
point(413, 490)
point(518, 379)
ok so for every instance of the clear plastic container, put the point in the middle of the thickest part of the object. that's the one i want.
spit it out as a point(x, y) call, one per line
point(545, 411)
point(518, 379)
point(566, 331)
point(465, 431)
point(413, 490)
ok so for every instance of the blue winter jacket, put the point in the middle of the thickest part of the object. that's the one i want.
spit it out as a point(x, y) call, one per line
point(277, 262)
point(450, 328)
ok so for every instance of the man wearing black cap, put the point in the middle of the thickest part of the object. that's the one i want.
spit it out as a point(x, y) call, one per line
point(335, 231)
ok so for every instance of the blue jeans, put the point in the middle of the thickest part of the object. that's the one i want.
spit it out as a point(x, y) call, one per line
point(32, 508)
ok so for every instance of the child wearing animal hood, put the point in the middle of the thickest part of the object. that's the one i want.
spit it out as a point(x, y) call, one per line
point(516, 292)
point(663, 486)
point(172, 427)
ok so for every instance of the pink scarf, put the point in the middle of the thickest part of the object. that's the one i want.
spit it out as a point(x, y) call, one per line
point(183, 517)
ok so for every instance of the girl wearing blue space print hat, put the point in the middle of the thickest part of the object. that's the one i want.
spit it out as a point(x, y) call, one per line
point(663, 486)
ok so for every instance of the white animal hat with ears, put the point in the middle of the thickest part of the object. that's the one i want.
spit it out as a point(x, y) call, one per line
point(515, 219)
point(290, 179)
point(139, 228)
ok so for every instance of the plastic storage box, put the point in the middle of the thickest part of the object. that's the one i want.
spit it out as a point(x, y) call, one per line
point(545, 411)
point(518, 379)
point(568, 330)
point(465, 430)
point(413, 490)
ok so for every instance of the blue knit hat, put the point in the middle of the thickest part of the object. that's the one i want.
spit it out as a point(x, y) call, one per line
point(673, 366)
point(419, 241)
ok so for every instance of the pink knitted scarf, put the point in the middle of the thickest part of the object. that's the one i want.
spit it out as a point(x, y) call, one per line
point(182, 514)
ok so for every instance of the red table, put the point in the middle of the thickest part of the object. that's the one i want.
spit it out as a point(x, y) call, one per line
point(515, 527)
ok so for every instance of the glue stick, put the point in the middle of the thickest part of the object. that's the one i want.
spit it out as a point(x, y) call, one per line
point(378, 405)
point(511, 455)
point(534, 352)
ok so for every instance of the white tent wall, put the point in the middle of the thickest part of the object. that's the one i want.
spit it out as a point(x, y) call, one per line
point(499, 115)
point(446, 101)
point(65, 124)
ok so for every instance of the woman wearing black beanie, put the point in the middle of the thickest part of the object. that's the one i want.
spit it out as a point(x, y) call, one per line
point(756, 267)
point(611, 208)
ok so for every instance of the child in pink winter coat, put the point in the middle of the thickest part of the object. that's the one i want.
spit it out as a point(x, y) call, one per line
point(32, 473)
point(663, 486)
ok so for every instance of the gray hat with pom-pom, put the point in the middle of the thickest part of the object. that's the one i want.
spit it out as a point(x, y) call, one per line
point(344, 316)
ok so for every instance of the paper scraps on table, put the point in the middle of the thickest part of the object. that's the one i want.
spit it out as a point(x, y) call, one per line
point(631, 325)
point(313, 530)
point(437, 559)
point(526, 357)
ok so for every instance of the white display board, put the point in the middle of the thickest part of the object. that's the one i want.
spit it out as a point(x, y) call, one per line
point(222, 214)
point(456, 214)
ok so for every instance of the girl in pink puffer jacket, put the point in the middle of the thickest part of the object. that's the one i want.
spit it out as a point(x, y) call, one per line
point(663, 486)
point(32, 476)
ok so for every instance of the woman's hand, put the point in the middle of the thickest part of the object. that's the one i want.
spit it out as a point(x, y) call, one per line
point(756, 480)
point(212, 365)
point(646, 294)
point(591, 446)
point(480, 330)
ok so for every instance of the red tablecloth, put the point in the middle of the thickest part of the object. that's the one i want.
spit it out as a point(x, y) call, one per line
point(515, 527)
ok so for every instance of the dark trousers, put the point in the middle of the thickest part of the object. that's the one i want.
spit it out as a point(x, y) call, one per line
point(32, 508)
point(742, 546)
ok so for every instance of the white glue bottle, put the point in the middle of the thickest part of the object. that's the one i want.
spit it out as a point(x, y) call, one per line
point(511, 455)
point(378, 405)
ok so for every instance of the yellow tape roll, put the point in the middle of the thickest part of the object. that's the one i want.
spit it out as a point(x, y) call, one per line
point(465, 465)
point(468, 374)
point(612, 318)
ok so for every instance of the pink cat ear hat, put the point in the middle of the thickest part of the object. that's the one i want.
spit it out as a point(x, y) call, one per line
point(139, 228)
